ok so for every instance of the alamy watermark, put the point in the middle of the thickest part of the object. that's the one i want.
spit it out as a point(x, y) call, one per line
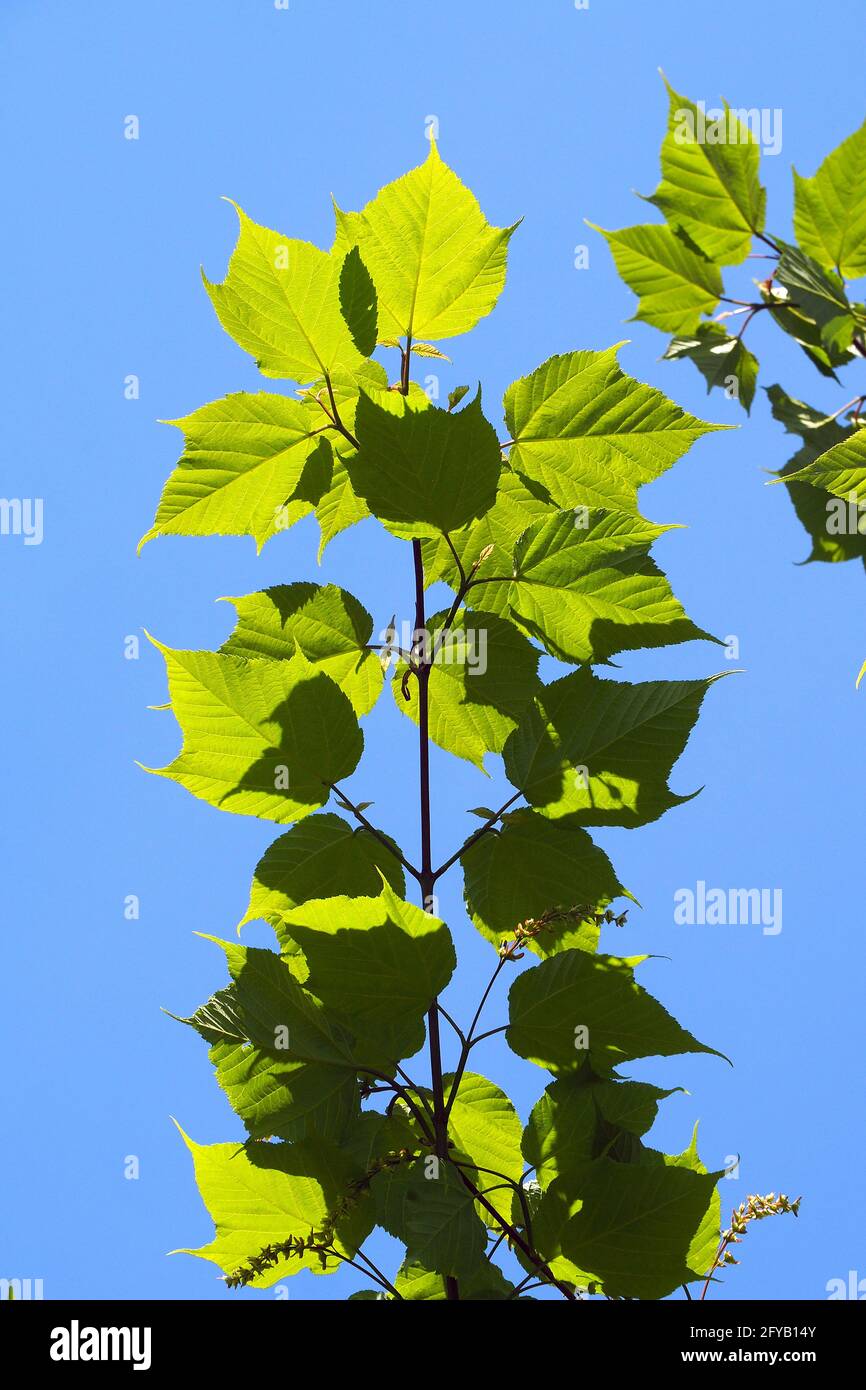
point(729, 907)
point(846, 517)
point(698, 126)
point(22, 516)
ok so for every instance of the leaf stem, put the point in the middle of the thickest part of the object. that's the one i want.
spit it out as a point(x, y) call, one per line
point(383, 1279)
point(768, 241)
point(335, 414)
point(383, 839)
point(467, 1045)
point(473, 839)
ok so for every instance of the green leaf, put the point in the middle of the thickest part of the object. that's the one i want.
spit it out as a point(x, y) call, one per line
point(577, 1118)
point(327, 625)
point(358, 303)
point(261, 738)
point(338, 507)
point(830, 209)
point(321, 857)
point(244, 457)
point(419, 1285)
point(530, 867)
point(260, 1194)
point(636, 1225)
point(375, 1136)
point(816, 508)
point(825, 340)
point(377, 964)
point(584, 585)
point(437, 264)
point(482, 681)
point(592, 435)
point(325, 482)
point(282, 1018)
point(574, 991)
point(705, 1242)
point(549, 1211)
point(629, 1105)
point(433, 1215)
point(721, 359)
point(518, 503)
point(820, 296)
point(292, 1100)
point(601, 751)
point(219, 1019)
point(674, 282)
point(842, 470)
point(710, 185)
point(485, 1126)
point(563, 1129)
point(422, 470)
point(280, 301)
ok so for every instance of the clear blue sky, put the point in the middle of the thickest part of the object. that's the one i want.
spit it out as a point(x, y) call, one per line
point(546, 112)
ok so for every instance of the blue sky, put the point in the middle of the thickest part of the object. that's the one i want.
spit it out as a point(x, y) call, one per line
point(549, 113)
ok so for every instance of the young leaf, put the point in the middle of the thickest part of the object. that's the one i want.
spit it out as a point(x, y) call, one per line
point(575, 998)
point(377, 964)
point(280, 301)
point(437, 264)
point(592, 435)
point(830, 209)
point(244, 456)
point(674, 282)
point(261, 738)
point(585, 586)
point(260, 1194)
point(721, 359)
point(327, 625)
point(530, 867)
point(358, 302)
point(710, 184)
point(425, 469)
point(601, 751)
point(323, 856)
point(482, 681)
